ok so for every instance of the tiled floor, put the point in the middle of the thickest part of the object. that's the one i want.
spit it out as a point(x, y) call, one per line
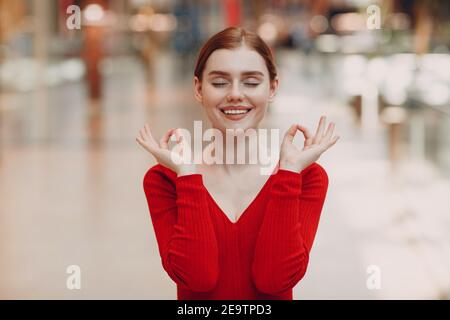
point(71, 194)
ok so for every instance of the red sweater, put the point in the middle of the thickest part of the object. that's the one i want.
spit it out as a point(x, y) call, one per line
point(261, 256)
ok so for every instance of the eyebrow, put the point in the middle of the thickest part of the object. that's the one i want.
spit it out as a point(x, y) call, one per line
point(245, 73)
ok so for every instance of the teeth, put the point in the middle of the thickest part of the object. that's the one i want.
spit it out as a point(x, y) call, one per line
point(235, 111)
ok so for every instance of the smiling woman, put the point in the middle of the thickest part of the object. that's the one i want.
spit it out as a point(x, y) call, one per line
point(234, 79)
point(225, 231)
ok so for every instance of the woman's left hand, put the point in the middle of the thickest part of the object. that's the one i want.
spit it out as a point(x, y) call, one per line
point(293, 158)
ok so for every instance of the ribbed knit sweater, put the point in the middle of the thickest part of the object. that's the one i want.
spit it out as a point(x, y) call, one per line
point(261, 256)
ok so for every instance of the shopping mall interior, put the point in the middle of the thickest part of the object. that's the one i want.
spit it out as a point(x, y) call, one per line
point(79, 79)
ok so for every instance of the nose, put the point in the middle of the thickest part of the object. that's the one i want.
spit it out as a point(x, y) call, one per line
point(235, 94)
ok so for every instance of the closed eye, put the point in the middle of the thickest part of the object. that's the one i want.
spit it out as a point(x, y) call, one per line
point(221, 84)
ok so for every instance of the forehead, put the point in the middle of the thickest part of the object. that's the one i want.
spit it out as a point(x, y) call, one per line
point(235, 61)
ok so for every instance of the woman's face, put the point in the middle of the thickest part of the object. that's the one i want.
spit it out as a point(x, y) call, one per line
point(235, 89)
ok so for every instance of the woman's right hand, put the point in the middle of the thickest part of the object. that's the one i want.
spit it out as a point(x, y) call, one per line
point(166, 157)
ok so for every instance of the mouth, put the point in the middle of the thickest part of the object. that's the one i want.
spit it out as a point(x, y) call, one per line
point(235, 112)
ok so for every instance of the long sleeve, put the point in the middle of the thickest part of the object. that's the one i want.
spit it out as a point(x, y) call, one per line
point(183, 228)
point(288, 229)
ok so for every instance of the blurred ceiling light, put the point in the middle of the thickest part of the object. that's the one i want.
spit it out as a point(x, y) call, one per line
point(348, 22)
point(395, 96)
point(319, 24)
point(424, 80)
point(353, 74)
point(23, 74)
point(359, 42)
point(353, 86)
point(438, 64)
point(139, 23)
point(437, 94)
point(163, 22)
point(268, 32)
point(354, 65)
point(327, 43)
point(93, 13)
point(72, 69)
point(396, 83)
point(52, 76)
point(404, 61)
point(377, 69)
point(393, 114)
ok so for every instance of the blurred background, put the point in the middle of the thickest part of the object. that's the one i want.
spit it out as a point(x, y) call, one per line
point(78, 79)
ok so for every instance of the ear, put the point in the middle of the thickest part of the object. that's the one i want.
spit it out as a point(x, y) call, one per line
point(198, 89)
point(273, 88)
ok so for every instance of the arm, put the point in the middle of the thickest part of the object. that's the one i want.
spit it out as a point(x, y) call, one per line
point(288, 229)
point(183, 228)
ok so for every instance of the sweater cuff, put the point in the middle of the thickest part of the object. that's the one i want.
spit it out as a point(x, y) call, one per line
point(287, 183)
point(192, 176)
point(189, 183)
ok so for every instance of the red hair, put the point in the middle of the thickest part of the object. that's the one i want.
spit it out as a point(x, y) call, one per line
point(233, 38)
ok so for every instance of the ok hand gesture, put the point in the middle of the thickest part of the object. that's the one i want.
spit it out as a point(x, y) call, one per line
point(174, 160)
point(293, 158)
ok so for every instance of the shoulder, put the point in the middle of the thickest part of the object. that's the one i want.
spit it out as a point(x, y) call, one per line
point(158, 175)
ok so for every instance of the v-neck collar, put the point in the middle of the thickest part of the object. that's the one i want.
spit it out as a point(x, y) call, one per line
point(243, 213)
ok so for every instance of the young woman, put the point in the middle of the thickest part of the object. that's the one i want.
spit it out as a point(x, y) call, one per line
point(226, 231)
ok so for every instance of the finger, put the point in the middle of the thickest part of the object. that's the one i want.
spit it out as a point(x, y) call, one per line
point(147, 137)
point(329, 132)
point(146, 130)
point(179, 141)
point(332, 142)
point(164, 142)
point(319, 131)
point(141, 140)
point(175, 136)
point(306, 134)
point(335, 139)
point(183, 141)
point(144, 144)
point(178, 136)
point(290, 134)
point(142, 135)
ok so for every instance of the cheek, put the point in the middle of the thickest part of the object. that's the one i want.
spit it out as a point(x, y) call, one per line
point(212, 97)
point(259, 97)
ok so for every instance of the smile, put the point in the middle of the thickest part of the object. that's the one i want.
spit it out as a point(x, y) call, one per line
point(235, 112)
